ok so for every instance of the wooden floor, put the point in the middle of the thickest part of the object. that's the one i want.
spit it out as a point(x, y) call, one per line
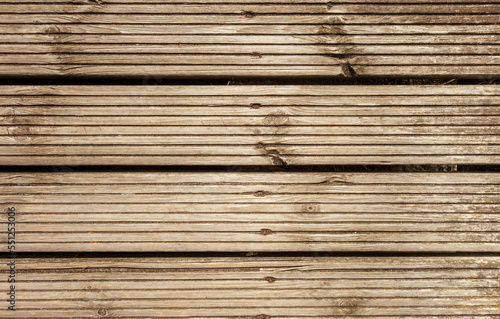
point(259, 288)
point(249, 125)
point(215, 38)
point(176, 212)
point(282, 159)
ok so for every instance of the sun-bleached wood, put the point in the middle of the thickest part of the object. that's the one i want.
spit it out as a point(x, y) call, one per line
point(253, 287)
point(249, 125)
point(173, 212)
point(249, 38)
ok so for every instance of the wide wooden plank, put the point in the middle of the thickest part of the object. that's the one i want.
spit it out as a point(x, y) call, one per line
point(270, 38)
point(169, 212)
point(295, 287)
point(249, 125)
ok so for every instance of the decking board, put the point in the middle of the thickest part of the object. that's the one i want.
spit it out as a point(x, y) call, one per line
point(314, 287)
point(249, 125)
point(250, 38)
point(72, 211)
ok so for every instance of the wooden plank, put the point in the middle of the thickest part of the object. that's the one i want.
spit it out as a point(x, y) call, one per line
point(252, 211)
point(314, 287)
point(270, 38)
point(249, 125)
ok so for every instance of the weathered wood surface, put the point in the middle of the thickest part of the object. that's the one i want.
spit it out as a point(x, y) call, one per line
point(250, 38)
point(249, 125)
point(252, 211)
point(256, 288)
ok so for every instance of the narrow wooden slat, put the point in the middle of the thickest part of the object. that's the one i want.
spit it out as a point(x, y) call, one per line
point(257, 38)
point(315, 287)
point(248, 125)
point(253, 211)
point(269, 8)
point(316, 2)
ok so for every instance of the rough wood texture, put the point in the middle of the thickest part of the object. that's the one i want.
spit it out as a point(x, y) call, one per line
point(250, 38)
point(253, 211)
point(256, 288)
point(249, 125)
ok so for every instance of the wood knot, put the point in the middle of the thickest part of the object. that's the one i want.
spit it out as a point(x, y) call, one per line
point(276, 118)
point(99, 3)
point(260, 194)
point(102, 312)
point(263, 317)
point(18, 130)
point(53, 31)
point(334, 19)
point(329, 5)
point(20, 133)
point(276, 158)
point(348, 306)
point(335, 181)
point(260, 146)
point(310, 208)
point(270, 279)
point(266, 232)
point(256, 55)
point(249, 14)
point(255, 105)
point(347, 70)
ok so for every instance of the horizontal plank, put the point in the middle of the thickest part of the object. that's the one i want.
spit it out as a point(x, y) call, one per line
point(250, 90)
point(252, 211)
point(375, 287)
point(338, 52)
point(257, 59)
point(229, 40)
point(316, 2)
point(148, 71)
point(254, 125)
point(242, 29)
point(311, 38)
point(246, 160)
point(311, 8)
point(241, 18)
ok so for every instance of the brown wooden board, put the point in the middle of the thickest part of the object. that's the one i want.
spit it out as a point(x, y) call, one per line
point(255, 288)
point(176, 212)
point(249, 125)
point(174, 38)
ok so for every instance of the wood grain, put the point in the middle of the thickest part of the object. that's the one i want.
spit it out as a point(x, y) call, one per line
point(170, 212)
point(249, 125)
point(249, 38)
point(314, 287)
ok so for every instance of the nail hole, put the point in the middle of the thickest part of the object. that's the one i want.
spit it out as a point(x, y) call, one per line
point(270, 279)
